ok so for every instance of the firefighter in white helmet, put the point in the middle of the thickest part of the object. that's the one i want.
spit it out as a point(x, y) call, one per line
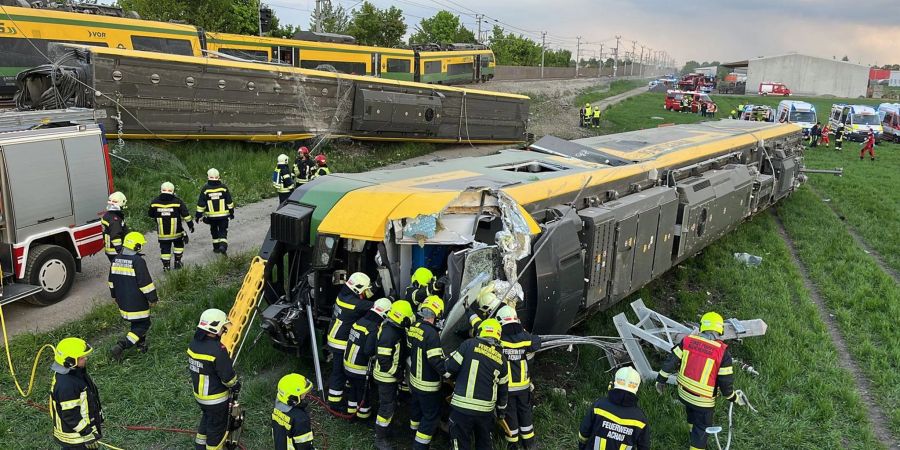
point(114, 227)
point(519, 347)
point(283, 178)
point(213, 379)
point(351, 304)
point(215, 208)
point(171, 215)
point(616, 421)
point(358, 356)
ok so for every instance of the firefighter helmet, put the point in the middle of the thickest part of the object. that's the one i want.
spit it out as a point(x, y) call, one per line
point(292, 388)
point(712, 321)
point(507, 314)
point(423, 276)
point(68, 350)
point(167, 188)
point(212, 174)
point(303, 151)
point(490, 329)
point(117, 199)
point(488, 302)
point(282, 159)
point(360, 284)
point(213, 321)
point(627, 379)
point(382, 306)
point(434, 304)
point(134, 241)
point(401, 313)
point(321, 160)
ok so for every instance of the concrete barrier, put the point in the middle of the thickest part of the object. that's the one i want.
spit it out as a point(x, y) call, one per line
point(502, 73)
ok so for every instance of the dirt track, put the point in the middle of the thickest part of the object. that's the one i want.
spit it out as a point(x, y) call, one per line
point(553, 112)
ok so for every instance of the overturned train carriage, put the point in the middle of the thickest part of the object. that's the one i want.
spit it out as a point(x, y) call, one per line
point(601, 217)
point(153, 95)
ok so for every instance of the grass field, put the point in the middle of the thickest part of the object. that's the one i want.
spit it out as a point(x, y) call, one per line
point(245, 167)
point(617, 87)
point(805, 399)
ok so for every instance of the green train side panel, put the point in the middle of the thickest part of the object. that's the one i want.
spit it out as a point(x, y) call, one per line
point(400, 76)
point(324, 193)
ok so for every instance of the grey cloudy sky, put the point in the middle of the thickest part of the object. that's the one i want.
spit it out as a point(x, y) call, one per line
point(868, 31)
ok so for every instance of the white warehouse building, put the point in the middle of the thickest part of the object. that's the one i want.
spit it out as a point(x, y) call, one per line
point(807, 75)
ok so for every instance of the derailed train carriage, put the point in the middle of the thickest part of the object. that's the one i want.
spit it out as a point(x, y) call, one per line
point(150, 95)
point(600, 217)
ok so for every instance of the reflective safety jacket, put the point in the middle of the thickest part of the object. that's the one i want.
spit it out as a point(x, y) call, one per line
point(319, 171)
point(282, 178)
point(589, 112)
point(615, 423)
point(390, 353)
point(215, 200)
point(169, 211)
point(705, 368)
point(114, 231)
point(74, 407)
point(212, 373)
point(597, 113)
point(131, 286)
point(518, 347)
point(358, 352)
point(426, 357)
point(303, 169)
point(839, 134)
point(348, 308)
point(416, 294)
point(481, 377)
point(291, 428)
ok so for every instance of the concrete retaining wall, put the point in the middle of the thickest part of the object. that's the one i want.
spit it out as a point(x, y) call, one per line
point(529, 73)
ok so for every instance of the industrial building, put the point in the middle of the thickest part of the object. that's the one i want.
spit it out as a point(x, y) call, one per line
point(806, 75)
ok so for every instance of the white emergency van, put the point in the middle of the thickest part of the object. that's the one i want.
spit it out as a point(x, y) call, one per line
point(798, 113)
point(857, 120)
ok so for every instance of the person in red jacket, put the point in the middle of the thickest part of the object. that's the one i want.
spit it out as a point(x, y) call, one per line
point(868, 146)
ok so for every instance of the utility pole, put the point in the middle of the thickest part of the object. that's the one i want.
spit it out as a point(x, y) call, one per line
point(259, 15)
point(577, 54)
point(479, 17)
point(543, 49)
point(600, 66)
point(616, 58)
point(641, 70)
point(633, 48)
point(318, 16)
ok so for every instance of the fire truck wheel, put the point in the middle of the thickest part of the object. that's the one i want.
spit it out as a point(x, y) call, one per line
point(52, 268)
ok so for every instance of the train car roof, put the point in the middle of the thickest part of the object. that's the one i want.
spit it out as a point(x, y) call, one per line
point(360, 206)
point(52, 17)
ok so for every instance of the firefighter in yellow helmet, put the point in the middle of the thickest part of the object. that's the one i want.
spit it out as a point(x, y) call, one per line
point(390, 358)
point(616, 421)
point(215, 207)
point(132, 287)
point(351, 304)
point(482, 375)
point(426, 369)
point(171, 215)
point(518, 347)
point(704, 370)
point(113, 222)
point(213, 379)
point(74, 399)
point(587, 115)
point(291, 427)
point(423, 284)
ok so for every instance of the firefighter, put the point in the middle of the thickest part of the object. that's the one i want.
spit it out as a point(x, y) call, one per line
point(705, 370)
point(481, 374)
point(321, 168)
point(426, 368)
point(213, 379)
point(485, 307)
point(595, 121)
point(518, 347)
point(587, 115)
point(132, 288)
point(351, 304)
point(358, 357)
point(839, 137)
point(390, 356)
point(75, 408)
point(616, 421)
point(421, 286)
point(282, 178)
point(868, 146)
point(114, 227)
point(171, 215)
point(215, 208)
point(303, 167)
point(291, 427)
point(734, 114)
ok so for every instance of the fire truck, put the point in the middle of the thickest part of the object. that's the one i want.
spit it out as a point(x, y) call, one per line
point(55, 177)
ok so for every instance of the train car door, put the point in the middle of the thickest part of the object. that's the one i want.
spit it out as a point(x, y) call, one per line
point(376, 64)
point(477, 71)
point(417, 72)
point(559, 270)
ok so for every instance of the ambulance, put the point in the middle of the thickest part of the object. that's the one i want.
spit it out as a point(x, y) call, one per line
point(798, 113)
point(857, 120)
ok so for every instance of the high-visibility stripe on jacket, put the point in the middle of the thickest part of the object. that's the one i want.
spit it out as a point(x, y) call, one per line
point(359, 351)
point(282, 179)
point(74, 407)
point(303, 168)
point(169, 212)
point(348, 308)
point(291, 428)
point(589, 112)
point(212, 372)
point(416, 294)
point(426, 357)
point(518, 347)
point(131, 286)
point(390, 353)
point(319, 172)
point(704, 370)
point(615, 425)
point(481, 377)
point(215, 200)
point(114, 231)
